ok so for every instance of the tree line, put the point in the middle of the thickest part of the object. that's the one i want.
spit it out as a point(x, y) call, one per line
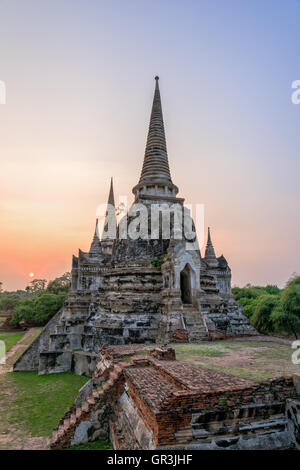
point(270, 309)
point(36, 304)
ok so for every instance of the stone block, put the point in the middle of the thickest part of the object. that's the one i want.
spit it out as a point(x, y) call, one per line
point(293, 417)
point(296, 379)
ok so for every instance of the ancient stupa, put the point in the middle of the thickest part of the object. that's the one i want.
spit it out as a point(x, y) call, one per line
point(142, 289)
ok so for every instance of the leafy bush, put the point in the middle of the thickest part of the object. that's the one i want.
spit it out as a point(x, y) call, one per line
point(286, 322)
point(9, 300)
point(249, 306)
point(38, 309)
point(60, 284)
point(38, 302)
point(270, 308)
point(261, 318)
point(158, 262)
point(286, 317)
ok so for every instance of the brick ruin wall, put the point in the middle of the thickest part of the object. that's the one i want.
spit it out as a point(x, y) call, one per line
point(112, 404)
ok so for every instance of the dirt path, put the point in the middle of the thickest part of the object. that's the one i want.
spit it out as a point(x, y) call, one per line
point(18, 347)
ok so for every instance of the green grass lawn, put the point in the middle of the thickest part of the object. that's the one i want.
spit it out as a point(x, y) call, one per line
point(31, 405)
point(185, 350)
point(10, 339)
point(36, 403)
point(254, 360)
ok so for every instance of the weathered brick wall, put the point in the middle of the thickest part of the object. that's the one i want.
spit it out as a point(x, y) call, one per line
point(155, 403)
point(171, 418)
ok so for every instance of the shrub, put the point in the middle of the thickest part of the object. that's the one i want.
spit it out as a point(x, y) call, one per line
point(286, 317)
point(248, 306)
point(261, 318)
point(60, 284)
point(285, 322)
point(38, 309)
point(158, 262)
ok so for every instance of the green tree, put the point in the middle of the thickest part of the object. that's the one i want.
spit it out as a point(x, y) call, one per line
point(273, 290)
point(286, 322)
point(60, 284)
point(38, 309)
point(25, 310)
point(9, 300)
point(286, 317)
point(36, 286)
point(248, 306)
point(261, 318)
point(251, 292)
point(47, 305)
point(1, 287)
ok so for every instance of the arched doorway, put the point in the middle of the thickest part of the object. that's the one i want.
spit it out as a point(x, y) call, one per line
point(185, 285)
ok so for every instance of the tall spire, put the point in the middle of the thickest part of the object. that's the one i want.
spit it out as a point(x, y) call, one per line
point(210, 255)
point(110, 223)
point(111, 197)
point(95, 245)
point(156, 172)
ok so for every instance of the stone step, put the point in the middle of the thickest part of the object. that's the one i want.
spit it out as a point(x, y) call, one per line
point(73, 418)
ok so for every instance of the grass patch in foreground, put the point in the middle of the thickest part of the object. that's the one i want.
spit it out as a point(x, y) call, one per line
point(245, 373)
point(95, 445)
point(10, 339)
point(39, 401)
point(183, 350)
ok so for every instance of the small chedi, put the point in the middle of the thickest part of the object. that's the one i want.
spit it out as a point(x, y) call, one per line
point(142, 289)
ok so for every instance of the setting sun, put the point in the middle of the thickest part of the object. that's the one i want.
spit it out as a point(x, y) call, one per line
point(31, 274)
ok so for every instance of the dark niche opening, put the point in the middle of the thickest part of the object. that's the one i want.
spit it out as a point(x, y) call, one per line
point(185, 285)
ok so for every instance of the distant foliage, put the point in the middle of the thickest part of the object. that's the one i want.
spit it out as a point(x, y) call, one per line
point(38, 302)
point(271, 309)
point(9, 300)
point(60, 285)
point(39, 309)
point(286, 317)
point(36, 286)
point(261, 318)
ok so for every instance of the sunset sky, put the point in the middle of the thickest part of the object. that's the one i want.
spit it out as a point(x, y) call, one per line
point(79, 76)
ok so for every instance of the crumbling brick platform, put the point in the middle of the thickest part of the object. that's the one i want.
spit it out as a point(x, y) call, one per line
point(153, 402)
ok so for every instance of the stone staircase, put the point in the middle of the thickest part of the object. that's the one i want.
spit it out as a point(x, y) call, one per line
point(194, 324)
point(90, 410)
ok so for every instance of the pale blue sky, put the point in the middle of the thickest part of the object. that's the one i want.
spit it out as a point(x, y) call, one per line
point(79, 77)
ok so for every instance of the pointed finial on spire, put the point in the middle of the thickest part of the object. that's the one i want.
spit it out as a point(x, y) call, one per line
point(110, 222)
point(95, 245)
point(111, 197)
point(210, 255)
point(208, 237)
